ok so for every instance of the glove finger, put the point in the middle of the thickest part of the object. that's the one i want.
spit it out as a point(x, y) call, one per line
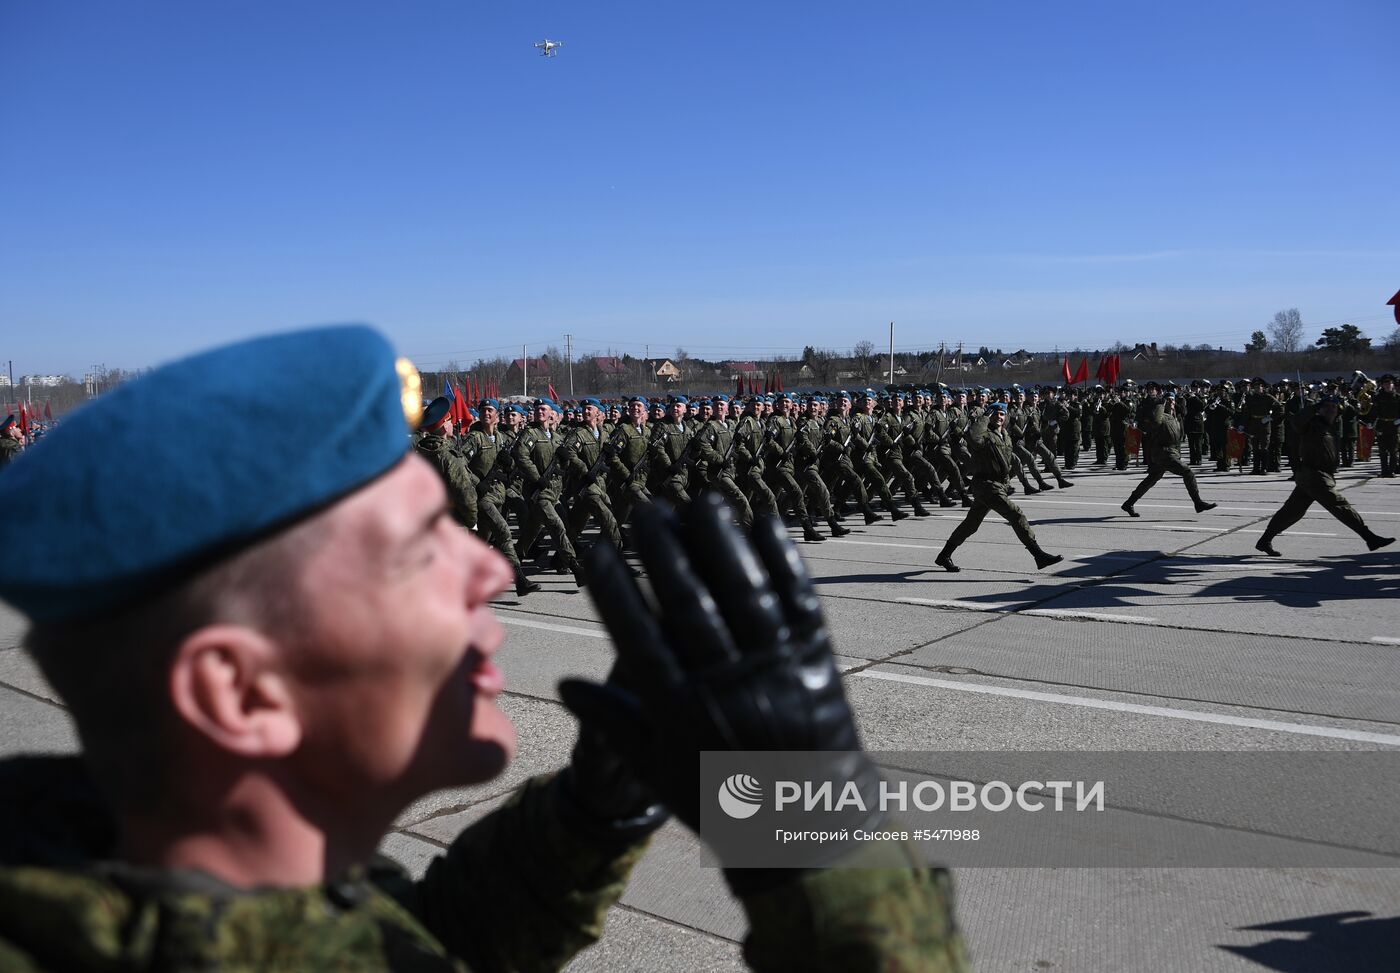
point(688, 610)
point(730, 568)
point(642, 648)
point(789, 576)
point(614, 715)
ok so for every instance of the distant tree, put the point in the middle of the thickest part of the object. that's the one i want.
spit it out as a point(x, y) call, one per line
point(864, 354)
point(1205, 346)
point(1286, 330)
point(1394, 340)
point(1346, 337)
point(1257, 343)
point(808, 353)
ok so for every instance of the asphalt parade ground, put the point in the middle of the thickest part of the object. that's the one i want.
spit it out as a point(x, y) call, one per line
point(1164, 633)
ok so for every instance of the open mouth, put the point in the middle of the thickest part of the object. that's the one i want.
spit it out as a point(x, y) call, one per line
point(485, 677)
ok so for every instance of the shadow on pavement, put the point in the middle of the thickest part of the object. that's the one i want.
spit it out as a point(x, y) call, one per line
point(1355, 942)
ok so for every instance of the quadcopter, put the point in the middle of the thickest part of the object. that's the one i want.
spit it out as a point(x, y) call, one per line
point(548, 48)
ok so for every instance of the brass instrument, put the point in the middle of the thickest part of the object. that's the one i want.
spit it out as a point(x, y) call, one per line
point(1363, 388)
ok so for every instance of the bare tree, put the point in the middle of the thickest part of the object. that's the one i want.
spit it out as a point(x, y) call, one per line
point(1286, 330)
point(864, 354)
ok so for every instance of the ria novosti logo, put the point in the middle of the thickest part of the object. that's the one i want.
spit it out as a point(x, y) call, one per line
point(740, 796)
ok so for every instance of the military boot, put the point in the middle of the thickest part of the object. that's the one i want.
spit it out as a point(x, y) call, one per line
point(945, 561)
point(523, 585)
point(809, 531)
point(1375, 542)
point(1063, 483)
point(897, 515)
point(836, 529)
point(1264, 546)
point(1044, 560)
point(871, 517)
point(920, 510)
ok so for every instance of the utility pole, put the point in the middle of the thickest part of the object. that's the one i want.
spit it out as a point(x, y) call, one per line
point(569, 357)
point(524, 371)
point(891, 352)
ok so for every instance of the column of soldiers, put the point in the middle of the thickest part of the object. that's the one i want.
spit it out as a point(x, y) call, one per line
point(816, 459)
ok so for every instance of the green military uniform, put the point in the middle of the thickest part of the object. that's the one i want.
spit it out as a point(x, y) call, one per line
point(1040, 426)
point(780, 468)
point(489, 467)
point(1314, 482)
point(715, 469)
point(1348, 431)
point(1102, 428)
point(805, 456)
point(670, 476)
point(992, 465)
point(890, 433)
point(524, 888)
point(1162, 439)
point(751, 439)
point(837, 467)
point(448, 461)
point(1219, 417)
point(1068, 418)
point(629, 482)
point(916, 459)
point(1016, 432)
point(542, 479)
point(939, 434)
point(864, 459)
point(586, 454)
point(9, 450)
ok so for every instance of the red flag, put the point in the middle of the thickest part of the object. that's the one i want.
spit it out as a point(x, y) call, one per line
point(1101, 372)
point(767, 382)
point(1082, 375)
point(23, 420)
point(739, 386)
point(780, 380)
point(552, 396)
point(48, 409)
point(1114, 366)
point(1068, 380)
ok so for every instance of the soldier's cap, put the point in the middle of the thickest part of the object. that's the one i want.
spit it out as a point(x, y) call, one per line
point(518, 409)
point(787, 395)
point(817, 400)
point(1151, 385)
point(9, 421)
point(702, 404)
point(489, 404)
point(548, 404)
point(171, 472)
point(590, 401)
point(1171, 393)
point(631, 399)
point(996, 406)
point(677, 399)
point(721, 398)
point(1387, 377)
point(843, 394)
point(984, 391)
point(1258, 381)
point(435, 413)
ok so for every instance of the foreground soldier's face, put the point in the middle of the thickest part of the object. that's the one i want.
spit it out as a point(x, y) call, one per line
point(396, 690)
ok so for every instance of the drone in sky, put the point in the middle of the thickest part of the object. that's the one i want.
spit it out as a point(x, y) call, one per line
point(548, 48)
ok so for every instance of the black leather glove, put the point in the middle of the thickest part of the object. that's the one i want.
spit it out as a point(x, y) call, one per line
point(735, 655)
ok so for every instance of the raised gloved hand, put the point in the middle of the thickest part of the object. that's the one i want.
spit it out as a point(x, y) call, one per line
point(734, 655)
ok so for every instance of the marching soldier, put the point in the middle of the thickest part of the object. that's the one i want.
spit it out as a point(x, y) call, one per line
point(864, 456)
point(1101, 424)
point(750, 444)
point(715, 468)
point(779, 465)
point(992, 465)
point(836, 464)
point(1194, 420)
point(587, 454)
point(627, 463)
point(811, 438)
point(1259, 408)
point(489, 463)
point(1040, 434)
point(539, 464)
point(890, 432)
point(1315, 483)
point(1120, 413)
point(670, 453)
point(1162, 435)
point(436, 445)
point(11, 441)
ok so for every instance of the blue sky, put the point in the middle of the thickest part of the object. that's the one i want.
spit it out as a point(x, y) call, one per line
point(739, 179)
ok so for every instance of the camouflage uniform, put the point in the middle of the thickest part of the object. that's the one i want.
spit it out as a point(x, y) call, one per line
point(489, 466)
point(583, 448)
point(534, 457)
point(669, 475)
point(1162, 435)
point(992, 464)
point(9, 450)
point(629, 482)
point(461, 491)
point(751, 438)
point(715, 470)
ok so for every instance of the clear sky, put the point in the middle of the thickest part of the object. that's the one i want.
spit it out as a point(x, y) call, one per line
point(738, 178)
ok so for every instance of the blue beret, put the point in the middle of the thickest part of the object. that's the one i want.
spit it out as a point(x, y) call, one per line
point(489, 404)
point(677, 399)
point(637, 398)
point(548, 402)
point(843, 394)
point(590, 401)
point(518, 409)
point(996, 406)
point(435, 411)
point(721, 398)
point(170, 472)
